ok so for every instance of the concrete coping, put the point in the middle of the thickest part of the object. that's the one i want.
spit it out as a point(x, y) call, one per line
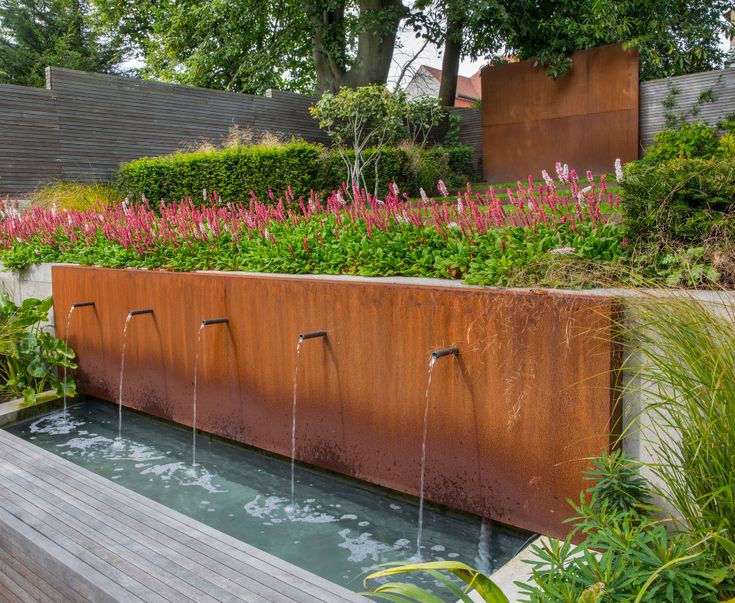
point(17, 410)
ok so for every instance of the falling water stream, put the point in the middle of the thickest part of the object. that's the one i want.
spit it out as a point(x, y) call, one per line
point(122, 374)
point(205, 323)
point(194, 402)
point(66, 334)
point(293, 425)
point(427, 399)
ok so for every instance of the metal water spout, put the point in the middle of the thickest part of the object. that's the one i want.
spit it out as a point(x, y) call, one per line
point(215, 321)
point(435, 355)
point(312, 335)
point(84, 304)
point(139, 312)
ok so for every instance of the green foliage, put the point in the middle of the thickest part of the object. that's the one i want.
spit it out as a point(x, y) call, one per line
point(680, 359)
point(477, 583)
point(29, 357)
point(624, 554)
point(235, 171)
point(232, 172)
point(35, 34)
point(688, 141)
point(680, 204)
point(244, 46)
point(673, 37)
point(362, 121)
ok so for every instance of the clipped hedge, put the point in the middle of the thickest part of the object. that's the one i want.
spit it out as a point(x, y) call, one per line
point(234, 172)
point(681, 201)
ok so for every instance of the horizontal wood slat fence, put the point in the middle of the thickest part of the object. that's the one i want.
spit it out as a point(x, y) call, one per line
point(83, 125)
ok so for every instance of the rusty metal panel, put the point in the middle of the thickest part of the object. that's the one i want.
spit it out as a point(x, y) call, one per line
point(511, 421)
point(587, 118)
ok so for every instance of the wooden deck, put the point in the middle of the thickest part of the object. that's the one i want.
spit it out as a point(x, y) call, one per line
point(67, 534)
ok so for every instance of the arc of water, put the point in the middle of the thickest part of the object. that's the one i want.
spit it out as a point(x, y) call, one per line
point(302, 337)
point(67, 335)
point(205, 323)
point(427, 398)
point(293, 424)
point(132, 314)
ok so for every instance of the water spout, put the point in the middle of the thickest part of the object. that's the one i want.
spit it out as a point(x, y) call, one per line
point(435, 355)
point(312, 335)
point(205, 323)
point(132, 314)
point(444, 352)
point(85, 304)
point(302, 337)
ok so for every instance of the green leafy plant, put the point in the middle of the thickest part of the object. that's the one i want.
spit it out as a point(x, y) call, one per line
point(476, 582)
point(687, 141)
point(624, 553)
point(29, 357)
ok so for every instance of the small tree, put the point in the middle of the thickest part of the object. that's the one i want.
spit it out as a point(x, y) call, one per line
point(364, 120)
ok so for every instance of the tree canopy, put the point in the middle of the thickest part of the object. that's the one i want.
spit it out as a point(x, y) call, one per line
point(38, 33)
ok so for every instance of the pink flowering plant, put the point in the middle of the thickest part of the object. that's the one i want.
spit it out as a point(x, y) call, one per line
point(476, 237)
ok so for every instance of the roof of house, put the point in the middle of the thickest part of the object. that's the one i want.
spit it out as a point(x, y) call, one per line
point(467, 87)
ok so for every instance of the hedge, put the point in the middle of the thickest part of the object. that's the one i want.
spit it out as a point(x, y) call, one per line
point(234, 172)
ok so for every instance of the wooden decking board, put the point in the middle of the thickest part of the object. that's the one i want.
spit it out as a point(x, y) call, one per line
point(124, 560)
point(197, 536)
point(219, 564)
point(127, 547)
point(95, 558)
point(46, 592)
point(178, 579)
point(222, 562)
point(75, 576)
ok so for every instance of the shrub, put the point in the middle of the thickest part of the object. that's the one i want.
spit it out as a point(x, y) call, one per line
point(232, 172)
point(625, 554)
point(681, 202)
point(688, 141)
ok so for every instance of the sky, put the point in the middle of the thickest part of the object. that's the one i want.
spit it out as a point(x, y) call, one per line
point(430, 56)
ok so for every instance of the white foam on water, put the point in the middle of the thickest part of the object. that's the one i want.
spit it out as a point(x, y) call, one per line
point(438, 548)
point(56, 424)
point(363, 547)
point(87, 446)
point(349, 516)
point(185, 475)
point(276, 509)
point(395, 507)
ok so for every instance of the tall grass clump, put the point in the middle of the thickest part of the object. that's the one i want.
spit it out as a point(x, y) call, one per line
point(682, 363)
point(74, 195)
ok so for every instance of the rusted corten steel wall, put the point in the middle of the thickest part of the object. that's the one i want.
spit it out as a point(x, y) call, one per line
point(587, 118)
point(510, 420)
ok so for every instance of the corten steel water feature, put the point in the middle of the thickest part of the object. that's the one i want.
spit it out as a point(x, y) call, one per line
point(512, 418)
point(587, 117)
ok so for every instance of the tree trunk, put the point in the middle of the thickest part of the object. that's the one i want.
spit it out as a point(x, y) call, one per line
point(379, 21)
point(452, 55)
